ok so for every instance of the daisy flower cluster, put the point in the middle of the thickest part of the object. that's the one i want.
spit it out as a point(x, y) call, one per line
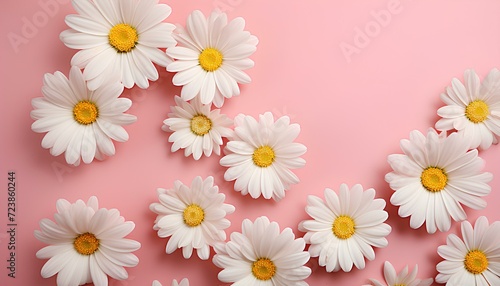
point(440, 172)
point(209, 63)
point(121, 43)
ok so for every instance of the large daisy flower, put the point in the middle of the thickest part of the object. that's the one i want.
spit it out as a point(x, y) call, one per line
point(196, 128)
point(434, 177)
point(184, 282)
point(79, 121)
point(345, 228)
point(402, 278)
point(86, 244)
point(473, 108)
point(474, 259)
point(119, 39)
point(261, 154)
point(211, 57)
point(261, 255)
point(193, 217)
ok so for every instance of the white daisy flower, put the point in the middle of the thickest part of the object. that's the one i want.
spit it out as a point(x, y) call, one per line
point(473, 109)
point(434, 177)
point(119, 40)
point(184, 282)
point(261, 255)
point(402, 278)
point(261, 154)
point(86, 244)
point(193, 217)
point(196, 129)
point(211, 57)
point(345, 228)
point(78, 121)
point(473, 260)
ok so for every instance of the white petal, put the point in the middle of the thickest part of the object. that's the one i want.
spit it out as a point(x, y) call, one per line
point(76, 40)
point(86, 25)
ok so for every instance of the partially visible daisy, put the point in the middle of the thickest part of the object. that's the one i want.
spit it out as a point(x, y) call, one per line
point(262, 255)
point(473, 108)
point(196, 129)
point(119, 40)
point(211, 57)
point(261, 154)
point(345, 228)
point(402, 278)
point(78, 121)
point(86, 243)
point(184, 282)
point(434, 177)
point(474, 259)
point(193, 217)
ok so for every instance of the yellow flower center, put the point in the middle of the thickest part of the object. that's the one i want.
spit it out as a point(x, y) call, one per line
point(343, 227)
point(399, 285)
point(123, 37)
point(210, 59)
point(263, 156)
point(434, 179)
point(200, 124)
point(477, 111)
point(476, 262)
point(193, 215)
point(85, 112)
point(263, 269)
point(86, 243)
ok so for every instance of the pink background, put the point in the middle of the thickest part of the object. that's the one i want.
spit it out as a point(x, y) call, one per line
point(353, 111)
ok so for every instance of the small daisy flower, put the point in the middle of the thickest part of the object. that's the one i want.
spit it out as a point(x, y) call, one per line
point(260, 155)
point(261, 255)
point(196, 129)
point(402, 278)
point(211, 57)
point(345, 228)
point(78, 121)
point(473, 109)
point(434, 177)
point(184, 282)
point(474, 259)
point(86, 244)
point(193, 217)
point(119, 40)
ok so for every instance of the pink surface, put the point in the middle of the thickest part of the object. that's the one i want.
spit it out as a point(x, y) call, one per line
point(353, 109)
